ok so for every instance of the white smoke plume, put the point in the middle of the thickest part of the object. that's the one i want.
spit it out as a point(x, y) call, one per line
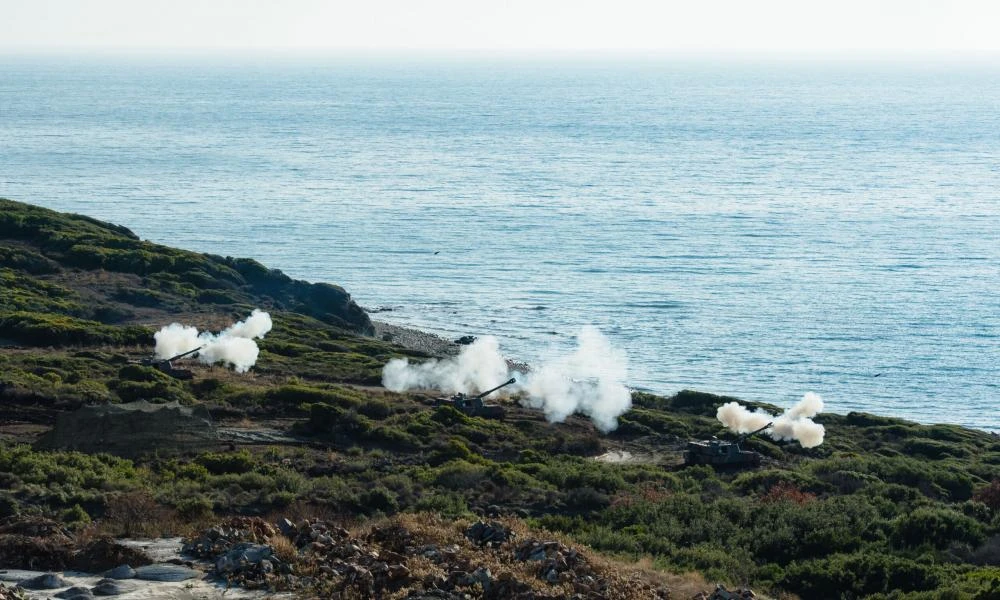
point(233, 346)
point(794, 424)
point(590, 381)
point(478, 367)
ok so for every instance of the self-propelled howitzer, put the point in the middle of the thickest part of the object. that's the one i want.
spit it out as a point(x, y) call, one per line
point(473, 405)
point(721, 453)
point(166, 364)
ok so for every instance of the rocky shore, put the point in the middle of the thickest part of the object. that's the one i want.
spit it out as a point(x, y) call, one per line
point(415, 339)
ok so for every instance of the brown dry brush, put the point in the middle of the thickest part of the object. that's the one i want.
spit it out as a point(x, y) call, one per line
point(412, 554)
point(40, 544)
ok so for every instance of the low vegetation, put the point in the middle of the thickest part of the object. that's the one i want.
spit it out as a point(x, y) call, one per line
point(885, 508)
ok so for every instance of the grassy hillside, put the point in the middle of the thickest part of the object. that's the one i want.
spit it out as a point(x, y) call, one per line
point(885, 508)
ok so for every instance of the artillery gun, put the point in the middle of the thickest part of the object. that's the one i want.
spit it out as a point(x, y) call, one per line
point(720, 453)
point(165, 365)
point(473, 405)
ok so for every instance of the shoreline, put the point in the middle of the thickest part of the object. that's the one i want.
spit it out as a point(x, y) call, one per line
point(438, 347)
point(417, 340)
point(432, 344)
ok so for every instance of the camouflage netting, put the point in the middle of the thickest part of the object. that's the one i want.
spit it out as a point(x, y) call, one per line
point(132, 429)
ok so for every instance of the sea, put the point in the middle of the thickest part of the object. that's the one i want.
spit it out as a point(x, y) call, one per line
point(759, 229)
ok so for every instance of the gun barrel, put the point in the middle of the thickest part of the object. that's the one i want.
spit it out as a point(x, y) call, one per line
point(182, 355)
point(504, 384)
point(746, 435)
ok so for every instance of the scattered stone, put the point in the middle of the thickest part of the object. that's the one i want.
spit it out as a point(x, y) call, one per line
point(48, 581)
point(165, 572)
point(7, 593)
point(488, 534)
point(112, 587)
point(121, 572)
point(287, 528)
point(721, 593)
point(377, 565)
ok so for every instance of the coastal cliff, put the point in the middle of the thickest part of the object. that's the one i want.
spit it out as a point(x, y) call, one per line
point(884, 508)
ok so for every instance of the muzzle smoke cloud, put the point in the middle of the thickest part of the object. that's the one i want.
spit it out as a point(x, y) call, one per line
point(794, 424)
point(234, 346)
point(590, 381)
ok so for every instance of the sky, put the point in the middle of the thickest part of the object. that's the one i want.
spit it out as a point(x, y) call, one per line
point(963, 27)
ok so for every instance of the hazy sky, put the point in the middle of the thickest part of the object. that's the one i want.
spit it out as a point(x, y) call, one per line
point(783, 26)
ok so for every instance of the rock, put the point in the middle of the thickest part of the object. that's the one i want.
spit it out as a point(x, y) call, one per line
point(491, 534)
point(165, 572)
point(287, 528)
point(121, 572)
point(484, 577)
point(48, 581)
point(112, 587)
point(74, 592)
point(241, 553)
point(398, 572)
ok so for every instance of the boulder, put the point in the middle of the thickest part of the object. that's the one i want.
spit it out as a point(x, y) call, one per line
point(112, 587)
point(48, 581)
point(121, 572)
point(165, 572)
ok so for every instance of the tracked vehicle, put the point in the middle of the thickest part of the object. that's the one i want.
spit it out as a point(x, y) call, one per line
point(165, 365)
point(473, 406)
point(721, 453)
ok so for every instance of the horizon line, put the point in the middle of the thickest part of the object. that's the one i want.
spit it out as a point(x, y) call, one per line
point(464, 54)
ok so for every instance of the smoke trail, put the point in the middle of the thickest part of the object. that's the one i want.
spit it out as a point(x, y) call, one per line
point(233, 346)
point(590, 381)
point(794, 424)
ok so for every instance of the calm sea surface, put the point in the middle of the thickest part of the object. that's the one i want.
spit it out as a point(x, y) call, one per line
point(760, 231)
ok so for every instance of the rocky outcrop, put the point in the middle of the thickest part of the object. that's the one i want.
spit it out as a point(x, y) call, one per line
point(7, 593)
point(323, 559)
point(130, 277)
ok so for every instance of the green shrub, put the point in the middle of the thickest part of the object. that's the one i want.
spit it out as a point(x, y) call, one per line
point(859, 574)
point(378, 500)
point(194, 508)
point(9, 506)
point(446, 504)
point(936, 527)
point(75, 517)
point(765, 479)
point(218, 463)
point(932, 449)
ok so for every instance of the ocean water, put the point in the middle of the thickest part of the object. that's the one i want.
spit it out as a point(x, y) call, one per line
point(760, 230)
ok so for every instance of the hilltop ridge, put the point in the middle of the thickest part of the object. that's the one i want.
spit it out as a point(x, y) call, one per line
point(85, 269)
